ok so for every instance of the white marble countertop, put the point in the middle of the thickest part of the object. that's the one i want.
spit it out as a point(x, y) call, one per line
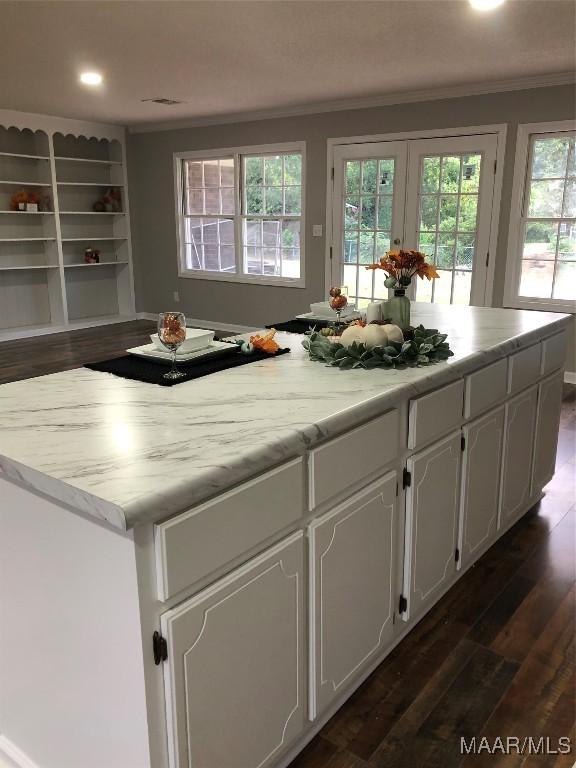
point(129, 452)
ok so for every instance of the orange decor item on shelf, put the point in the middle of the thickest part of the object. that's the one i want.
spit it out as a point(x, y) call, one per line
point(265, 343)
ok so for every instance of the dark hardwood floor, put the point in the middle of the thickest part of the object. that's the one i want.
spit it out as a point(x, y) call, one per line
point(495, 657)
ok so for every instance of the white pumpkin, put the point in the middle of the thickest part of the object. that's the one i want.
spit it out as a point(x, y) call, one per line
point(394, 333)
point(375, 336)
point(354, 333)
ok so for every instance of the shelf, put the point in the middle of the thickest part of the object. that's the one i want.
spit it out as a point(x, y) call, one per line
point(98, 264)
point(88, 184)
point(31, 266)
point(92, 213)
point(24, 157)
point(26, 183)
point(26, 239)
point(88, 239)
point(88, 160)
point(26, 213)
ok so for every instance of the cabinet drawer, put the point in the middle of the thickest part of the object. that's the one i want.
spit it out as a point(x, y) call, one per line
point(553, 353)
point(485, 388)
point(435, 414)
point(345, 461)
point(524, 368)
point(193, 545)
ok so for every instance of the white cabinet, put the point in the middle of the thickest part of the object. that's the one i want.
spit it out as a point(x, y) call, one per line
point(518, 449)
point(547, 425)
point(432, 511)
point(234, 677)
point(480, 484)
point(353, 595)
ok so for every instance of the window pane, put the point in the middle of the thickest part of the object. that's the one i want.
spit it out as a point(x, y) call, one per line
point(228, 200)
point(448, 206)
point(365, 277)
point(536, 279)
point(368, 215)
point(428, 212)
point(424, 290)
point(565, 283)
point(470, 173)
point(465, 251)
point(271, 233)
point(194, 171)
point(252, 233)
point(385, 212)
point(254, 171)
point(567, 241)
point(366, 247)
point(212, 200)
point(211, 173)
point(254, 200)
point(450, 174)
point(546, 198)
point(445, 250)
point(351, 214)
point(206, 240)
point(291, 234)
point(227, 172)
point(194, 201)
point(273, 171)
point(352, 176)
point(386, 176)
point(549, 158)
point(540, 240)
point(272, 201)
point(443, 287)
point(430, 174)
point(382, 245)
point(369, 175)
point(350, 247)
point(427, 244)
point(350, 279)
point(291, 263)
point(570, 199)
point(462, 287)
point(467, 214)
point(292, 169)
point(572, 158)
point(292, 200)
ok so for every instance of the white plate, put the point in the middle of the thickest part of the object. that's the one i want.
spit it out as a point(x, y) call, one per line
point(215, 349)
point(196, 338)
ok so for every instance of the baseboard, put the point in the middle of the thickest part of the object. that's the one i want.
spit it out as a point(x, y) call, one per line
point(570, 377)
point(13, 757)
point(212, 325)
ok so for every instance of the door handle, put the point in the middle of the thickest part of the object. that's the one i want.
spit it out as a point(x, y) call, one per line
point(397, 241)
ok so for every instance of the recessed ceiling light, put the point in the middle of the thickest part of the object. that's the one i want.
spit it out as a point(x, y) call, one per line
point(485, 5)
point(91, 78)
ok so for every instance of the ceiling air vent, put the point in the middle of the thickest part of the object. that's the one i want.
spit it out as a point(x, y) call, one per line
point(167, 102)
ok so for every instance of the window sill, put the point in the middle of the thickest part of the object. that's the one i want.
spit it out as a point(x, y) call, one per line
point(223, 277)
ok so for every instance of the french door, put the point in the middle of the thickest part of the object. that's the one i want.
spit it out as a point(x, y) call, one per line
point(431, 194)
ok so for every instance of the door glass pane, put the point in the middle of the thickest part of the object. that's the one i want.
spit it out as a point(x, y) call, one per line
point(367, 214)
point(549, 245)
point(449, 188)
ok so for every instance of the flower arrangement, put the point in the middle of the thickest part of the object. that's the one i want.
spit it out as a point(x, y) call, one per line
point(401, 266)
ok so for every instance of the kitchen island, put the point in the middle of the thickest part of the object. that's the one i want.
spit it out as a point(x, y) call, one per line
point(199, 576)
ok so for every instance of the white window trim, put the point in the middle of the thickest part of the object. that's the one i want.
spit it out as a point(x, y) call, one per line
point(514, 261)
point(206, 154)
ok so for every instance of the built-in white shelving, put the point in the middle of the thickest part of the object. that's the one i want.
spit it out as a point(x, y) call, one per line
point(68, 168)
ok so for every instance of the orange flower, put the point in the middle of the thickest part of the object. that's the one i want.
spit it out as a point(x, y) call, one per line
point(405, 264)
point(265, 343)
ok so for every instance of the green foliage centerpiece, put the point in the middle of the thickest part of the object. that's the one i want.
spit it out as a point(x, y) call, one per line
point(425, 347)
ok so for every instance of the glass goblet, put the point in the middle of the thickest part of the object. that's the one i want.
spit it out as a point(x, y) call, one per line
point(172, 332)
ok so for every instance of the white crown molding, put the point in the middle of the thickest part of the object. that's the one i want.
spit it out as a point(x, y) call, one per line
point(36, 121)
point(432, 94)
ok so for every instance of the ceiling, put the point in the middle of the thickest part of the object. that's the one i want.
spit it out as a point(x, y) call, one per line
point(224, 58)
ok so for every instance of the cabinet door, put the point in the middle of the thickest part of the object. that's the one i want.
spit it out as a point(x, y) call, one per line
point(547, 426)
point(480, 484)
point(518, 449)
point(432, 509)
point(352, 568)
point(234, 678)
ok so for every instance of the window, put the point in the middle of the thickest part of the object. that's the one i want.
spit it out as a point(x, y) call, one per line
point(240, 214)
point(543, 231)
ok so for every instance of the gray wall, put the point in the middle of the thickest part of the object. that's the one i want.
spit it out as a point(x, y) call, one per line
point(152, 194)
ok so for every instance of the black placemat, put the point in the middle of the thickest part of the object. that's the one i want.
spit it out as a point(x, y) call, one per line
point(139, 369)
point(300, 326)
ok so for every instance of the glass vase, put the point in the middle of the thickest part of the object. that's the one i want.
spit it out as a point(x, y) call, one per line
point(398, 309)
